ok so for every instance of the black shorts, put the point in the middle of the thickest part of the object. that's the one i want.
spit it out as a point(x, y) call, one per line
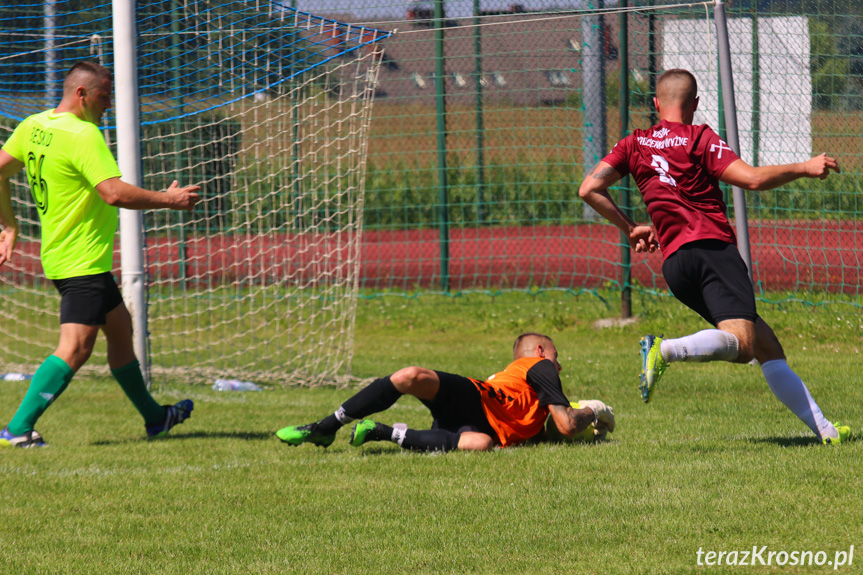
point(457, 407)
point(710, 277)
point(88, 299)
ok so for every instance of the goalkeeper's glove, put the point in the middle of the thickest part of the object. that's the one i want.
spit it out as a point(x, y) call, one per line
point(603, 418)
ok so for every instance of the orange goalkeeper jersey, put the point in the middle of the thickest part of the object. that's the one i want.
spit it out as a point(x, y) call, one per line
point(511, 398)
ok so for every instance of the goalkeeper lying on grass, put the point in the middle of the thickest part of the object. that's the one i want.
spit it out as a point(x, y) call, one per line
point(508, 408)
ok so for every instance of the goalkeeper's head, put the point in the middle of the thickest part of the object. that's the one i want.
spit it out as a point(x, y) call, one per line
point(533, 344)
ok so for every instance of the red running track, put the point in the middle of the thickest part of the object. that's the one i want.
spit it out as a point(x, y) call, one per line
point(787, 255)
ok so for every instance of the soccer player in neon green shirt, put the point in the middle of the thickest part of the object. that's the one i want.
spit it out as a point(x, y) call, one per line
point(76, 185)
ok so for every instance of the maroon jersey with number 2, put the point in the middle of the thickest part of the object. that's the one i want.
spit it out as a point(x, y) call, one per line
point(676, 167)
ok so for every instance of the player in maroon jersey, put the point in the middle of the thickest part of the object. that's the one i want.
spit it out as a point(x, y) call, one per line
point(677, 167)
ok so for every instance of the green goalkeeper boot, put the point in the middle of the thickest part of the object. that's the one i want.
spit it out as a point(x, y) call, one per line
point(363, 432)
point(299, 434)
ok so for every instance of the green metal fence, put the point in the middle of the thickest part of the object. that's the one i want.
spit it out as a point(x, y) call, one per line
point(487, 114)
point(520, 127)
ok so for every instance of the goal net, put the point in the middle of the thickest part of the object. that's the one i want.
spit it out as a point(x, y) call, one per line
point(268, 110)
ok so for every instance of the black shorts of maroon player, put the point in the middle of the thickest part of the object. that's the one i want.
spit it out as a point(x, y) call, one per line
point(457, 407)
point(88, 299)
point(710, 277)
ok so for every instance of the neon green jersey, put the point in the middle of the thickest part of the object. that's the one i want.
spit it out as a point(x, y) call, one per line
point(66, 158)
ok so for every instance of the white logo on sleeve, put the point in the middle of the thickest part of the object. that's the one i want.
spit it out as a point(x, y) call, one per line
point(720, 147)
point(660, 164)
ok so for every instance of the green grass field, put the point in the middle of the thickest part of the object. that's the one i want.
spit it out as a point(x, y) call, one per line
point(714, 463)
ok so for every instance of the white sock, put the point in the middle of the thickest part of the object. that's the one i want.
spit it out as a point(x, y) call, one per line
point(790, 389)
point(399, 430)
point(706, 345)
point(343, 417)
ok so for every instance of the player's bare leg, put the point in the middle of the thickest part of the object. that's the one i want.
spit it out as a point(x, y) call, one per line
point(740, 341)
point(733, 341)
point(118, 335)
point(744, 331)
point(767, 346)
point(158, 419)
point(475, 441)
point(420, 382)
point(76, 344)
point(49, 382)
point(787, 386)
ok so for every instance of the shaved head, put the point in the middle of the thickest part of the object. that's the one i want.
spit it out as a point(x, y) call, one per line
point(526, 343)
point(676, 88)
point(88, 74)
point(87, 91)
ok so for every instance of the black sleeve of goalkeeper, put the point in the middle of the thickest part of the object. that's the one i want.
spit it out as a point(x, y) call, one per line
point(544, 379)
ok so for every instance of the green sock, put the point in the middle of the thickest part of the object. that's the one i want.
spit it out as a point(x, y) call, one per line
point(131, 380)
point(49, 381)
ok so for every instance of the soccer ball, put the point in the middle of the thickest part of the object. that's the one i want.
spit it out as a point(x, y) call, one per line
point(552, 433)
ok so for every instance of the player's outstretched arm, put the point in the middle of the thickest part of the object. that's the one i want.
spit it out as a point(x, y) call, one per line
point(570, 421)
point(118, 193)
point(9, 166)
point(594, 191)
point(742, 175)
